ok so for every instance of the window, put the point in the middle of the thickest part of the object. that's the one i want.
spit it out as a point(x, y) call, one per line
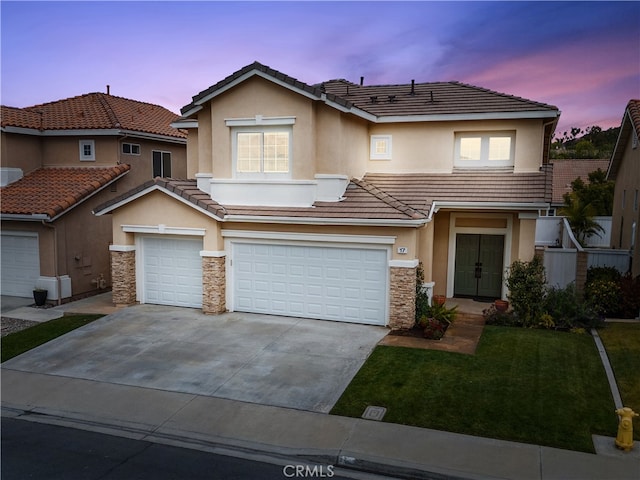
point(87, 151)
point(161, 164)
point(263, 152)
point(494, 149)
point(380, 147)
point(131, 148)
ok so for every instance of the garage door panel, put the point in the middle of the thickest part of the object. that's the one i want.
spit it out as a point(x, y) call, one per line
point(172, 271)
point(20, 264)
point(317, 282)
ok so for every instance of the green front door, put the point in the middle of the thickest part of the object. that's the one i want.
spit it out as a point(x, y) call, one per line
point(478, 268)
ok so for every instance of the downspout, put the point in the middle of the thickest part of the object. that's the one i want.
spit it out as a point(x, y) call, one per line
point(55, 259)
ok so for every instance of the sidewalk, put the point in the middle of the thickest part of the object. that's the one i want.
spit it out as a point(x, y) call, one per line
point(244, 429)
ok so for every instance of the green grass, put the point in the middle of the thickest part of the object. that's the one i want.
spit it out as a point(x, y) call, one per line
point(17, 343)
point(622, 342)
point(533, 386)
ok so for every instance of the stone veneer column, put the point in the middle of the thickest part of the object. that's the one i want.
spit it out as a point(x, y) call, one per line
point(214, 285)
point(123, 276)
point(402, 305)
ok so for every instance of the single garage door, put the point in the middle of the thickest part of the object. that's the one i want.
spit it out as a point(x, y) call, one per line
point(172, 271)
point(344, 284)
point(20, 264)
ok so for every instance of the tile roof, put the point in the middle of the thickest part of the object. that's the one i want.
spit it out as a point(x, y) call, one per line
point(94, 111)
point(51, 191)
point(566, 171)
point(437, 98)
point(421, 190)
point(423, 99)
point(630, 124)
point(362, 201)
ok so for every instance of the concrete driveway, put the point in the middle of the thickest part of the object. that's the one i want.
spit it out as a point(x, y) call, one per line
point(281, 361)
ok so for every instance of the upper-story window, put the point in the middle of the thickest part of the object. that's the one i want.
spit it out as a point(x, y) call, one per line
point(87, 150)
point(131, 148)
point(262, 146)
point(486, 149)
point(161, 164)
point(380, 148)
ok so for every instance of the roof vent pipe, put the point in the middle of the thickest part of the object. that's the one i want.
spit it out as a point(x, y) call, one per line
point(108, 89)
point(413, 87)
point(361, 81)
point(431, 92)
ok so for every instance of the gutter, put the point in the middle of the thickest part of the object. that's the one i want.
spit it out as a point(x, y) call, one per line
point(372, 222)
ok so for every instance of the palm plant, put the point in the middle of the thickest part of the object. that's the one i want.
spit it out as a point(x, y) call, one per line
point(580, 218)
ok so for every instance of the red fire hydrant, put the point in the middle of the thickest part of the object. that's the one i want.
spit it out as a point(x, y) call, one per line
point(624, 440)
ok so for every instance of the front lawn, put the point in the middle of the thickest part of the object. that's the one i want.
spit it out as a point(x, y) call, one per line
point(533, 386)
point(24, 340)
point(622, 342)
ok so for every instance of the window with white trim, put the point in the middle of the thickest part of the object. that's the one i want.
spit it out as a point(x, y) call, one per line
point(380, 148)
point(161, 164)
point(87, 150)
point(131, 149)
point(486, 149)
point(262, 151)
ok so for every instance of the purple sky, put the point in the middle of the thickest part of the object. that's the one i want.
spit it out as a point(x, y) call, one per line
point(583, 57)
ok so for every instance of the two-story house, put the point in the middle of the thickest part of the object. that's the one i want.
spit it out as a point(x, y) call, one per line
point(624, 169)
point(58, 161)
point(321, 201)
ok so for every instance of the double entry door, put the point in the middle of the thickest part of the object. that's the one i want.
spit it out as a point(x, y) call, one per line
point(479, 265)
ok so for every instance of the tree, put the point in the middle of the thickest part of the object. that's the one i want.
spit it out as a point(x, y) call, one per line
point(598, 193)
point(580, 217)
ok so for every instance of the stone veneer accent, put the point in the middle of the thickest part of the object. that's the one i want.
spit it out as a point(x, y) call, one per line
point(123, 277)
point(213, 285)
point(402, 305)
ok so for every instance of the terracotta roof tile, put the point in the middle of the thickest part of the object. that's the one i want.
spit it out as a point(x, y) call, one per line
point(361, 201)
point(94, 111)
point(420, 190)
point(53, 190)
point(437, 98)
point(566, 171)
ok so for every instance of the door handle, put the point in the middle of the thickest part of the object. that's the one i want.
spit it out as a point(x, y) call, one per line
point(478, 271)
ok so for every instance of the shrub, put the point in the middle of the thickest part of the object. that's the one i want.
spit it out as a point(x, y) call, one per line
point(604, 296)
point(568, 308)
point(434, 330)
point(526, 282)
point(492, 316)
point(602, 273)
point(422, 298)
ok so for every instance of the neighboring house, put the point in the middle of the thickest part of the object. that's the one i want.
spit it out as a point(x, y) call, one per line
point(566, 171)
point(625, 171)
point(320, 201)
point(58, 161)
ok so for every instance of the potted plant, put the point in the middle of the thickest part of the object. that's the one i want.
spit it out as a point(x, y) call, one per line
point(501, 305)
point(40, 296)
point(439, 299)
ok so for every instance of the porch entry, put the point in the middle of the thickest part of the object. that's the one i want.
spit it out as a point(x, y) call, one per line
point(479, 265)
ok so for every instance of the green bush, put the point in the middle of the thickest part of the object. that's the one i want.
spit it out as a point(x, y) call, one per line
point(422, 297)
point(568, 309)
point(493, 316)
point(527, 283)
point(602, 273)
point(604, 296)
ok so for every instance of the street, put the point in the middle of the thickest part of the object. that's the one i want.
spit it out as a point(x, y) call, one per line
point(47, 452)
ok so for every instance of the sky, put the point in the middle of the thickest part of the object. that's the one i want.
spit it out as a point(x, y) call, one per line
point(583, 57)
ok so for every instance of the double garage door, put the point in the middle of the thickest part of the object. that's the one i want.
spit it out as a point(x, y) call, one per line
point(342, 284)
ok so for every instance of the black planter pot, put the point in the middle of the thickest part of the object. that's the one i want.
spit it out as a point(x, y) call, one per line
point(40, 297)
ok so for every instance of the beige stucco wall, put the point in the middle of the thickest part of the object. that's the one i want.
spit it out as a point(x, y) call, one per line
point(158, 208)
point(20, 151)
point(430, 146)
point(627, 180)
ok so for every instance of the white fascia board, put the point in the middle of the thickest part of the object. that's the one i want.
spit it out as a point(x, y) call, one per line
point(371, 222)
point(259, 120)
point(404, 263)
point(163, 230)
point(489, 206)
point(36, 217)
point(152, 189)
point(153, 136)
point(185, 123)
point(21, 130)
point(309, 237)
point(467, 116)
point(122, 248)
point(84, 132)
point(213, 253)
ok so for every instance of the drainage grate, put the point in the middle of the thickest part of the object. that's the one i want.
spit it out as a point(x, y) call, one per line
point(374, 413)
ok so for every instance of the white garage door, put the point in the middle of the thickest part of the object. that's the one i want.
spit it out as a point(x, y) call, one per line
point(172, 271)
point(20, 264)
point(341, 284)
